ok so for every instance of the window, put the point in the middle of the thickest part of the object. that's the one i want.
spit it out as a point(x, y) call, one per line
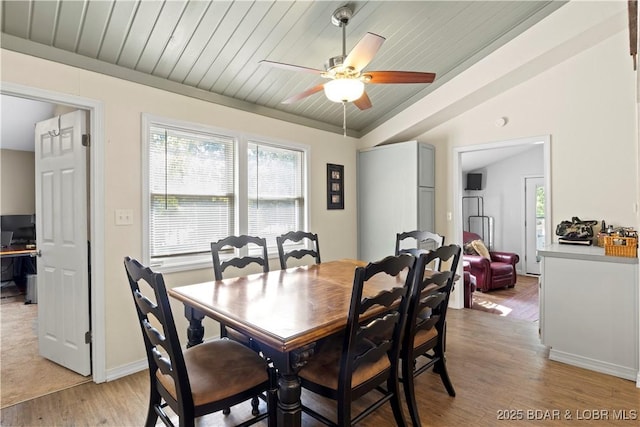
point(276, 202)
point(203, 184)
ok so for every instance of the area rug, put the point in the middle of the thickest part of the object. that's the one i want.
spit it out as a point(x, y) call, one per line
point(24, 374)
point(519, 302)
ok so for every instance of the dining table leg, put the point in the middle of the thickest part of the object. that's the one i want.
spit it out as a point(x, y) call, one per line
point(195, 331)
point(289, 411)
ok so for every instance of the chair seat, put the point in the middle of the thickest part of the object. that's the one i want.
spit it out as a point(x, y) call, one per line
point(324, 367)
point(243, 369)
point(424, 336)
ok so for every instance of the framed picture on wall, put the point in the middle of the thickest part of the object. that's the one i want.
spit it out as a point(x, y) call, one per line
point(335, 186)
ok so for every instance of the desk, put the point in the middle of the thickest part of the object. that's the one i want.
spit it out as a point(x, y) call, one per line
point(23, 264)
point(17, 251)
point(286, 311)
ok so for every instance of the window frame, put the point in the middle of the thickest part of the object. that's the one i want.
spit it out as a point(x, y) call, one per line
point(241, 141)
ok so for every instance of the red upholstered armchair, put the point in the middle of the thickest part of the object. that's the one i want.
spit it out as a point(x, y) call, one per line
point(498, 272)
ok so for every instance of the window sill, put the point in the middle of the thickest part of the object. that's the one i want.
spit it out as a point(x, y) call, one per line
point(195, 262)
point(186, 263)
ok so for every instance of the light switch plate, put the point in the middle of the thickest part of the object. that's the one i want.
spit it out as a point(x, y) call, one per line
point(124, 216)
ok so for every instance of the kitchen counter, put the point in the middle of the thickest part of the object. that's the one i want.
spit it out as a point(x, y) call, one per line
point(589, 309)
point(588, 253)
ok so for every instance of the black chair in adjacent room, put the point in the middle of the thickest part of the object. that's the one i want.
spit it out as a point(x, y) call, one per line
point(366, 356)
point(311, 250)
point(425, 333)
point(203, 379)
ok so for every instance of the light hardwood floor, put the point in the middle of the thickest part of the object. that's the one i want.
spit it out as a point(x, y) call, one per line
point(497, 365)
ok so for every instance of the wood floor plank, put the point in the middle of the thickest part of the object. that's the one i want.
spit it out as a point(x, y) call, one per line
point(497, 365)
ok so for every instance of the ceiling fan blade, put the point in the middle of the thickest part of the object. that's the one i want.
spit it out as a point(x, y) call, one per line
point(379, 77)
point(363, 52)
point(291, 67)
point(363, 102)
point(304, 94)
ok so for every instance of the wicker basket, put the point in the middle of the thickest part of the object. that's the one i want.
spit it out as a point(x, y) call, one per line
point(620, 246)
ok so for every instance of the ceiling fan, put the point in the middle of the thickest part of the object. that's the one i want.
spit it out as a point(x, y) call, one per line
point(346, 73)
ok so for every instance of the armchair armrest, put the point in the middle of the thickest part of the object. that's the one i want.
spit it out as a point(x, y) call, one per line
point(480, 268)
point(477, 263)
point(506, 257)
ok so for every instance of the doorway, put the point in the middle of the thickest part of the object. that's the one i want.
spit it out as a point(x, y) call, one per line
point(29, 325)
point(510, 227)
point(95, 205)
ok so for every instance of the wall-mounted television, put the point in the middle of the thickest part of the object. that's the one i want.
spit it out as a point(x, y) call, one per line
point(474, 181)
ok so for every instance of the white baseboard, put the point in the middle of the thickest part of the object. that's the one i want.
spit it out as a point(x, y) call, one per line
point(595, 365)
point(128, 369)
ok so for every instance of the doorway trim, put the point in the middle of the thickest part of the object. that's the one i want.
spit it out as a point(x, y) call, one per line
point(96, 209)
point(457, 182)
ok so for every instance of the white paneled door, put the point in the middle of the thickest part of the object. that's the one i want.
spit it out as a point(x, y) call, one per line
point(61, 225)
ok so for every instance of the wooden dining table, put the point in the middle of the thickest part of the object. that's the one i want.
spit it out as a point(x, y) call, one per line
point(286, 311)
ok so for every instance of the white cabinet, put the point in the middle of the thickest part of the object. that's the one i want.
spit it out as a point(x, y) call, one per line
point(395, 193)
point(589, 309)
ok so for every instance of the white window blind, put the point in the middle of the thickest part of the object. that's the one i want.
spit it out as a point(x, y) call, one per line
point(191, 190)
point(203, 184)
point(275, 193)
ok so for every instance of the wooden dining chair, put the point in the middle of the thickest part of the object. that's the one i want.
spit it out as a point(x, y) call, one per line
point(202, 379)
point(235, 244)
point(419, 242)
point(425, 333)
point(366, 356)
point(312, 250)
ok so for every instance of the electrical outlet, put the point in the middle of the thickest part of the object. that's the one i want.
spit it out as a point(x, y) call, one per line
point(124, 216)
point(449, 216)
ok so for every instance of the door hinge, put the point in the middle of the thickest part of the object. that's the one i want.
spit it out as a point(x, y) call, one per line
point(87, 337)
point(86, 140)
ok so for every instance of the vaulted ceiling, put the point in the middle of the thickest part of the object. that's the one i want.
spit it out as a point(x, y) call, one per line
point(212, 49)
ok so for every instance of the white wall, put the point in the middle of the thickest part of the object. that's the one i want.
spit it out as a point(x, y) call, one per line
point(17, 182)
point(592, 128)
point(124, 102)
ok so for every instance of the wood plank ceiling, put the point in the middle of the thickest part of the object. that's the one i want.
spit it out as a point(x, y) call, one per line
point(211, 49)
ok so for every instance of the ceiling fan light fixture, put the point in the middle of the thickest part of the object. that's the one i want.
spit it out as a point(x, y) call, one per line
point(344, 90)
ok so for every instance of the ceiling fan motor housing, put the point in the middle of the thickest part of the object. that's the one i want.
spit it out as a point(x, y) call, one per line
point(335, 62)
